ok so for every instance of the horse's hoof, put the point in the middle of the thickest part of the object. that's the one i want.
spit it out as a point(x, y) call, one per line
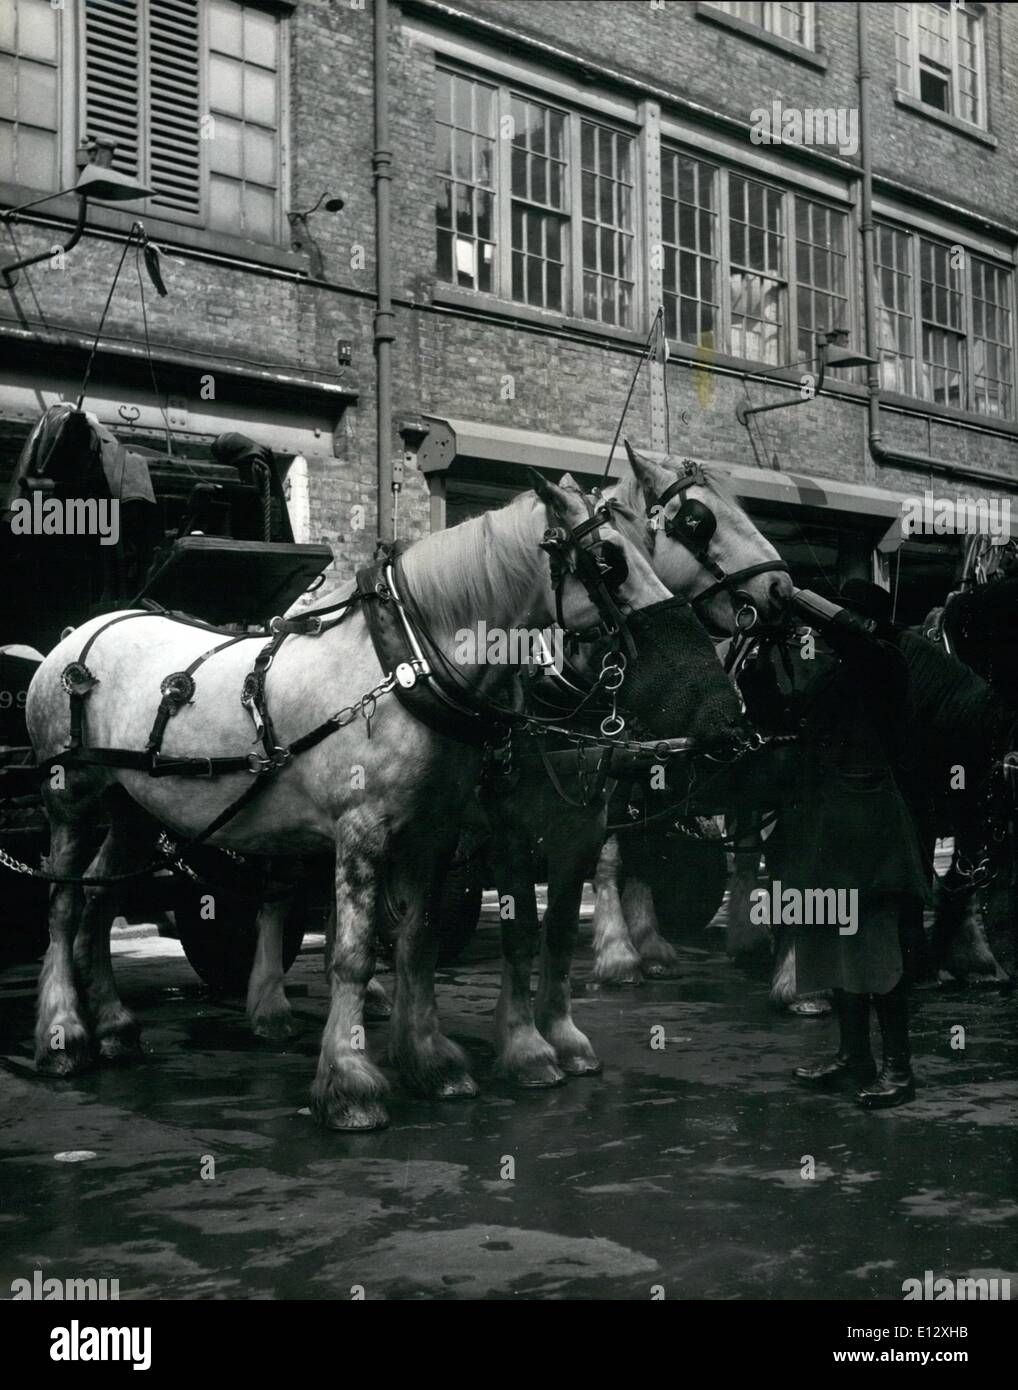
point(660, 970)
point(354, 1118)
point(580, 1066)
point(810, 1008)
point(619, 979)
point(277, 1028)
point(459, 1088)
point(120, 1049)
point(539, 1080)
point(65, 1061)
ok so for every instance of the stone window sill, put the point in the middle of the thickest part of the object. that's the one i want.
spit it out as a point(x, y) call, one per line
point(810, 57)
point(931, 113)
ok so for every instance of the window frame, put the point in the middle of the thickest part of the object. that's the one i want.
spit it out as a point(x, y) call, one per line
point(788, 348)
point(73, 97)
point(63, 165)
point(771, 9)
point(915, 64)
point(916, 236)
point(282, 201)
point(506, 90)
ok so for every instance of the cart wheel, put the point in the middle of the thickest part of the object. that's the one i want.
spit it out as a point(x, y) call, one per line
point(687, 877)
point(222, 952)
point(24, 930)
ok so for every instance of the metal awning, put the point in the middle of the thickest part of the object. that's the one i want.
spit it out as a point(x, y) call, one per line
point(478, 441)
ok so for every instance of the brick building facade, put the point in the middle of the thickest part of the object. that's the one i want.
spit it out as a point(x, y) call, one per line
point(560, 168)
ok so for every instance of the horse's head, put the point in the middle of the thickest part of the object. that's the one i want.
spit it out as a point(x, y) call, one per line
point(599, 576)
point(595, 572)
point(704, 546)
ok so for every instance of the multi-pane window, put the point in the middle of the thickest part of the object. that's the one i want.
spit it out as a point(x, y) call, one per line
point(737, 281)
point(539, 174)
point(545, 215)
point(893, 270)
point(29, 95)
point(821, 272)
point(939, 55)
point(756, 242)
point(244, 104)
point(962, 305)
point(991, 339)
point(789, 21)
point(690, 273)
point(465, 154)
point(607, 183)
point(943, 324)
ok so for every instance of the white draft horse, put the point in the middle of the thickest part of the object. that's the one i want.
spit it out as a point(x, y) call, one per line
point(385, 796)
point(536, 831)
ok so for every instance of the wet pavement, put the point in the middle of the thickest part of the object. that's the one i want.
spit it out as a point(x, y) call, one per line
point(681, 1168)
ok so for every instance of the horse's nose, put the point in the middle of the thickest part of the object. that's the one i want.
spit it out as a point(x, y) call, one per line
point(779, 591)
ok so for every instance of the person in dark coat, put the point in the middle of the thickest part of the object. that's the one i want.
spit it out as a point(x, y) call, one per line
point(850, 828)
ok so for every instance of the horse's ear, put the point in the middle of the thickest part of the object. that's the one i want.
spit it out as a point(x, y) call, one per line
point(652, 477)
point(559, 503)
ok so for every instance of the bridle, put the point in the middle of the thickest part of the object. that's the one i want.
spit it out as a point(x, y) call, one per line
point(693, 526)
point(601, 567)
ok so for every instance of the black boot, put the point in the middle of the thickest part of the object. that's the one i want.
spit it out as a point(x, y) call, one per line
point(854, 1061)
point(895, 1085)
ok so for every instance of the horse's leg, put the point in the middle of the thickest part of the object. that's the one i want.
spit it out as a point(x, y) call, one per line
point(969, 956)
point(62, 1044)
point(524, 1057)
point(615, 960)
point(428, 1062)
point(377, 1005)
point(268, 1010)
point(553, 1008)
point(128, 845)
point(783, 992)
point(657, 958)
point(743, 936)
point(348, 1087)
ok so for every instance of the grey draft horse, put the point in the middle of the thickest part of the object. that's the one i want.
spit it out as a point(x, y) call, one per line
point(385, 797)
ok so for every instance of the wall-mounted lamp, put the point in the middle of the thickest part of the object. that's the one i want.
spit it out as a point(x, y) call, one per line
point(829, 354)
point(300, 233)
point(98, 179)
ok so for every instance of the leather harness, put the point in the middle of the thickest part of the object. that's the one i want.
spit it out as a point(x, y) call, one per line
point(394, 622)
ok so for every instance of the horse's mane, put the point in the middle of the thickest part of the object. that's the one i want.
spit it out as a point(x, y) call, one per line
point(487, 565)
point(961, 716)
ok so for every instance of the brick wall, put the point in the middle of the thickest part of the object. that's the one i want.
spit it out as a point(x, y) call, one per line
point(450, 362)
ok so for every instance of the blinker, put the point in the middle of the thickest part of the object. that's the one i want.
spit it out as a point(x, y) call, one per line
point(693, 525)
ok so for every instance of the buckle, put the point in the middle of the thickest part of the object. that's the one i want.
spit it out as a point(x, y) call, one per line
point(279, 757)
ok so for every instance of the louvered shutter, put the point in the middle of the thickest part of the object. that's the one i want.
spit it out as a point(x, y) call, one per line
point(112, 69)
point(173, 57)
point(142, 88)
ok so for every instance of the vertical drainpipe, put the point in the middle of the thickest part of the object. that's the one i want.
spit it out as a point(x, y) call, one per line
point(878, 450)
point(381, 163)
